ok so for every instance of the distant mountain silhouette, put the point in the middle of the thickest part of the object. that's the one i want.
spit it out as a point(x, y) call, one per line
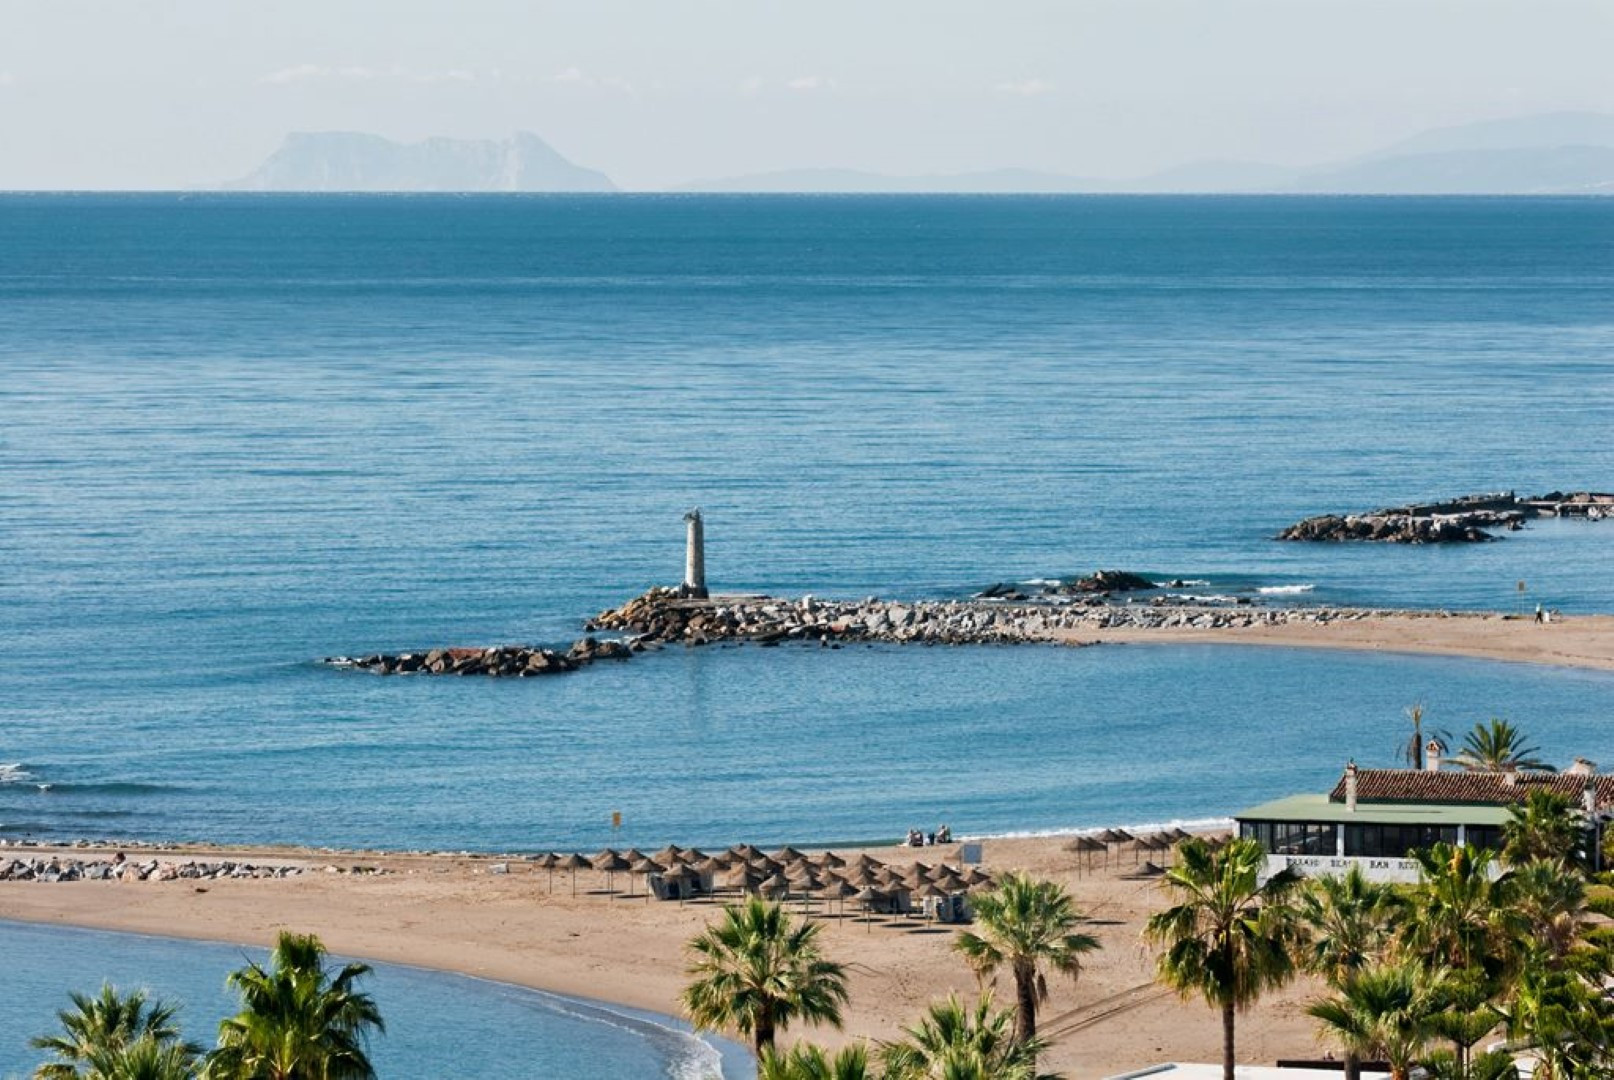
point(351, 161)
point(1560, 170)
point(854, 181)
point(1550, 153)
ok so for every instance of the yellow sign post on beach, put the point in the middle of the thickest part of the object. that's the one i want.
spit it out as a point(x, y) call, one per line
point(616, 820)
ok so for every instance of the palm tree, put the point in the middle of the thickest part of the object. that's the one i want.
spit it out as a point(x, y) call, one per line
point(1460, 911)
point(107, 1021)
point(1347, 924)
point(757, 971)
point(1229, 937)
point(146, 1058)
point(1547, 825)
point(807, 1062)
point(954, 1041)
point(1384, 1011)
point(1550, 903)
point(1025, 924)
point(296, 1021)
point(1499, 747)
point(1413, 752)
point(1567, 1021)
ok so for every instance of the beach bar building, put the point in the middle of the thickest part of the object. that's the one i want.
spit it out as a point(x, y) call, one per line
point(1374, 817)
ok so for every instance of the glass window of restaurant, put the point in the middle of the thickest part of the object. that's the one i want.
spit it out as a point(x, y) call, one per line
point(1394, 841)
point(1293, 837)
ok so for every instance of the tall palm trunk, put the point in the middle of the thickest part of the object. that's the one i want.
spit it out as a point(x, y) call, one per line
point(763, 1039)
point(1353, 1066)
point(1025, 1020)
point(1227, 1041)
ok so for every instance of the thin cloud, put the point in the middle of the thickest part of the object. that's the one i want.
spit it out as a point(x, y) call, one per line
point(1025, 87)
point(8, 79)
point(358, 73)
point(575, 76)
point(300, 73)
point(809, 83)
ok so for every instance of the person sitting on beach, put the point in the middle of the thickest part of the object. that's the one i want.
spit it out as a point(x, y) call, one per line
point(944, 835)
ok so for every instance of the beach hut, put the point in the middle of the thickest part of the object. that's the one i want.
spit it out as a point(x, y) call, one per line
point(707, 871)
point(931, 896)
point(675, 884)
point(573, 862)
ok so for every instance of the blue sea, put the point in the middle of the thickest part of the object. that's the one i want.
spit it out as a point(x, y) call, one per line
point(241, 433)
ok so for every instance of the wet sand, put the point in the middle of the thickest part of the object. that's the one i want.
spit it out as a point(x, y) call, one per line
point(1581, 641)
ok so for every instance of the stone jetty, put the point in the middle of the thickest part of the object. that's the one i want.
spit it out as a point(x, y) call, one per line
point(49, 869)
point(663, 617)
point(512, 661)
point(1464, 520)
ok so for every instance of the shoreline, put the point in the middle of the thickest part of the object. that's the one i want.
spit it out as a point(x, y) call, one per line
point(454, 913)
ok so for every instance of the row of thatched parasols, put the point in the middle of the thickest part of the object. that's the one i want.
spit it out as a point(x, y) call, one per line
point(781, 874)
point(1116, 840)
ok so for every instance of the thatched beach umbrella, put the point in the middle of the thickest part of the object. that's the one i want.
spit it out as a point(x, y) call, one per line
point(788, 855)
point(644, 867)
point(775, 886)
point(609, 863)
point(830, 861)
point(668, 855)
point(742, 876)
point(867, 896)
point(573, 862)
point(748, 852)
point(864, 877)
point(975, 877)
point(547, 861)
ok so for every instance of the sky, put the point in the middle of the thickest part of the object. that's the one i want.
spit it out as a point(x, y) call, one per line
point(180, 93)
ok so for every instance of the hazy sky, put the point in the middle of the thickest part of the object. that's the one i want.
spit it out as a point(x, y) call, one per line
point(173, 93)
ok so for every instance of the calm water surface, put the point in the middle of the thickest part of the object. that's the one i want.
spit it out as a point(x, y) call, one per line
point(241, 433)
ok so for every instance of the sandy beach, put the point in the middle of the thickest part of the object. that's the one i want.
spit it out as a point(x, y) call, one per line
point(1582, 641)
point(453, 913)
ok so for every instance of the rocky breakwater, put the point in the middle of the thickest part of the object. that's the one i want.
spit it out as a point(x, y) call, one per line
point(1463, 520)
point(512, 661)
point(662, 617)
point(51, 869)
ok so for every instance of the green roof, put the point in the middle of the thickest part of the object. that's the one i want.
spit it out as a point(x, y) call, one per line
point(1319, 809)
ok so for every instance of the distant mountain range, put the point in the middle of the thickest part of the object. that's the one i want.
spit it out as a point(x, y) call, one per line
point(349, 161)
point(1553, 153)
point(1548, 154)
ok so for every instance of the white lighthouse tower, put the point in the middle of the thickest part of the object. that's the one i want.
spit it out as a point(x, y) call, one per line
point(694, 557)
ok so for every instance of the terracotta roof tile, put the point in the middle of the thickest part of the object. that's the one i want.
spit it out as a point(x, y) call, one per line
point(1471, 788)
